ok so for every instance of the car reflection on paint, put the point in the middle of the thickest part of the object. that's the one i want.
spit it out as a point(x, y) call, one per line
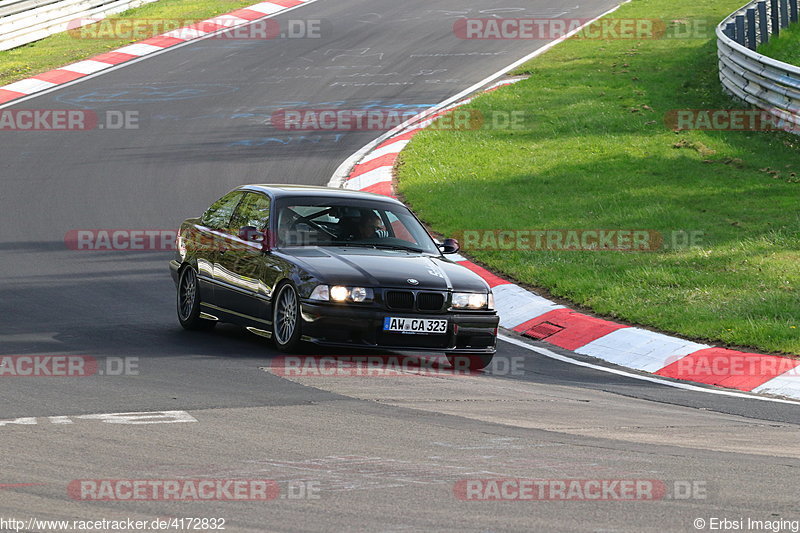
point(331, 267)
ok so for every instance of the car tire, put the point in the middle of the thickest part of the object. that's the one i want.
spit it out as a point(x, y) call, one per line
point(189, 303)
point(470, 361)
point(286, 321)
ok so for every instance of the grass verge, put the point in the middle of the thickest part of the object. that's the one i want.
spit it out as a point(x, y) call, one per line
point(63, 48)
point(596, 153)
point(786, 47)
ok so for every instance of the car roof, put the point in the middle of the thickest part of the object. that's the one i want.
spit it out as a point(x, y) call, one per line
point(304, 191)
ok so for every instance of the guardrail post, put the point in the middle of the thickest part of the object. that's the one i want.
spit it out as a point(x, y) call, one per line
point(763, 30)
point(773, 13)
point(769, 85)
point(750, 15)
point(740, 29)
point(784, 13)
point(793, 10)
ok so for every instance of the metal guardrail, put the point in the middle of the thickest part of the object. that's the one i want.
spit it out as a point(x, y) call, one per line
point(25, 21)
point(12, 7)
point(771, 85)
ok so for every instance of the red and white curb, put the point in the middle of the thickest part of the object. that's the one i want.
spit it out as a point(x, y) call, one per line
point(207, 28)
point(536, 317)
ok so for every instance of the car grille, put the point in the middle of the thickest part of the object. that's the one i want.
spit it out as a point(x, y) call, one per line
point(406, 300)
point(430, 301)
point(400, 300)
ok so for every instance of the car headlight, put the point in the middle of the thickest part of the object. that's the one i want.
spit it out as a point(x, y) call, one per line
point(180, 245)
point(339, 293)
point(321, 293)
point(470, 300)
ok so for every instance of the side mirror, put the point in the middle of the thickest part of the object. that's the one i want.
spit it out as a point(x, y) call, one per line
point(250, 234)
point(449, 246)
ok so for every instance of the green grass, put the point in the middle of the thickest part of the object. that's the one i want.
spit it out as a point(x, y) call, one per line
point(595, 153)
point(786, 47)
point(62, 48)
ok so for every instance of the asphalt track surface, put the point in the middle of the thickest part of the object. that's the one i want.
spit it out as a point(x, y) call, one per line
point(385, 453)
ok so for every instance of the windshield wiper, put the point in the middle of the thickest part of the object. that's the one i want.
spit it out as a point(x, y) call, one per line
point(398, 247)
point(377, 246)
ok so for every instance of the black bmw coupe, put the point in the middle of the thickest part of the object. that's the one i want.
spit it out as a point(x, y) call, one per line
point(332, 267)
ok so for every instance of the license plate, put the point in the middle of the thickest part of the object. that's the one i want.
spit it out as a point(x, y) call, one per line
point(415, 325)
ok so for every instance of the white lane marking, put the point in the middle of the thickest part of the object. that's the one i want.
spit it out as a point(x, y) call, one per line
point(266, 7)
point(29, 85)
point(87, 66)
point(139, 49)
point(787, 384)
point(227, 20)
point(142, 58)
point(517, 305)
point(368, 179)
point(394, 148)
point(184, 33)
point(640, 349)
point(343, 171)
point(136, 418)
point(564, 359)
point(29, 338)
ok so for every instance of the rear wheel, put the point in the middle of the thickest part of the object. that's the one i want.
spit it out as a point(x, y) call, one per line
point(189, 302)
point(470, 361)
point(286, 318)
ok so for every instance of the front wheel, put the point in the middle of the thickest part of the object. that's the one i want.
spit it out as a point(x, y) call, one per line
point(189, 303)
point(286, 319)
point(470, 361)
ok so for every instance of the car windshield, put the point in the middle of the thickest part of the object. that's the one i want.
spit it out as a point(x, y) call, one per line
point(351, 223)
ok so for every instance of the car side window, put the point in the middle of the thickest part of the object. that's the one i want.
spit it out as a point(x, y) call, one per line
point(218, 216)
point(252, 211)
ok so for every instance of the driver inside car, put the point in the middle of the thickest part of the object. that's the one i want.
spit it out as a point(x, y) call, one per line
point(371, 227)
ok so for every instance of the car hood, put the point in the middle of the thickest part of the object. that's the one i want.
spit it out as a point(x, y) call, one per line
point(385, 268)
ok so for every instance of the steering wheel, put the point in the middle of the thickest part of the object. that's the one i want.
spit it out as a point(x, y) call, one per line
point(323, 229)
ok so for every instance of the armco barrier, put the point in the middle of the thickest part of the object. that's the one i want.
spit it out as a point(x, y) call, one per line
point(25, 21)
point(766, 83)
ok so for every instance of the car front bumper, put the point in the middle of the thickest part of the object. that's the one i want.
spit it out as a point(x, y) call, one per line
point(355, 327)
point(174, 267)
